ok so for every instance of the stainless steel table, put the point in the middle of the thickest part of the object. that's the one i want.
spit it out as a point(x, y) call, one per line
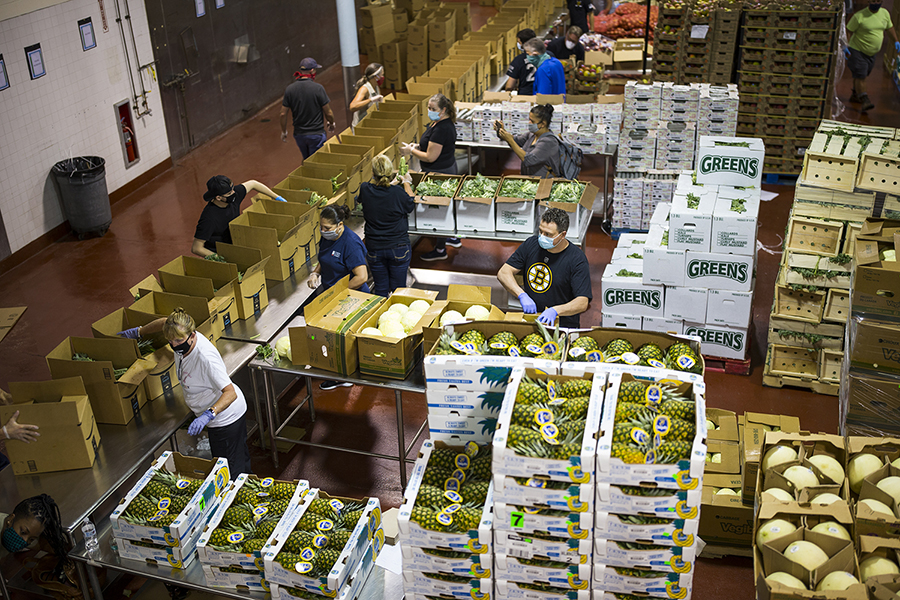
point(380, 584)
point(415, 383)
point(123, 450)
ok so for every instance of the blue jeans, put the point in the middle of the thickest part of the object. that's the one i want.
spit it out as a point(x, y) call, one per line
point(389, 268)
point(308, 144)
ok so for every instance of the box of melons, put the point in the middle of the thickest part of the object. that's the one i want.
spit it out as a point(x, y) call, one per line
point(802, 467)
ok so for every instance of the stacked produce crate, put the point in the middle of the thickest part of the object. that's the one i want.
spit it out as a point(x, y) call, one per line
point(785, 75)
point(669, 39)
point(835, 194)
point(685, 37)
point(721, 62)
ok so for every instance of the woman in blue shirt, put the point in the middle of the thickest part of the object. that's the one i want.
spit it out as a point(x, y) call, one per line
point(341, 253)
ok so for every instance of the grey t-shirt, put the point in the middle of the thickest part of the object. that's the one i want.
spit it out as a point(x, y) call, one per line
point(540, 155)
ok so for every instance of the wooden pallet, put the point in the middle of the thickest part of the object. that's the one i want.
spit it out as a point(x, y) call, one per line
point(786, 365)
point(886, 133)
point(731, 366)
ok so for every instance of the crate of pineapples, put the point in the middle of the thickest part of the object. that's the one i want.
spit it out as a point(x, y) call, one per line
point(537, 569)
point(522, 518)
point(660, 530)
point(245, 520)
point(517, 590)
point(448, 501)
point(436, 560)
point(639, 555)
point(548, 426)
point(652, 432)
point(481, 355)
point(351, 589)
point(623, 583)
point(419, 584)
point(320, 542)
point(649, 499)
point(543, 544)
point(171, 503)
point(617, 350)
point(540, 491)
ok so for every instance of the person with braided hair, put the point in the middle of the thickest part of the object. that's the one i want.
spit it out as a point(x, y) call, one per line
point(35, 524)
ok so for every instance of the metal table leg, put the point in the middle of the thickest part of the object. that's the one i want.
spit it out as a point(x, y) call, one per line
point(469, 157)
point(309, 398)
point(257, 409)
point(95, 582)
point(398, 399)
point(270, 401)
point(605, 223)
point(3, 589)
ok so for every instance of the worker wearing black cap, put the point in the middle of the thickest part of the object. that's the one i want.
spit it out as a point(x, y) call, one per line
point(309, 106)
point(223, 204)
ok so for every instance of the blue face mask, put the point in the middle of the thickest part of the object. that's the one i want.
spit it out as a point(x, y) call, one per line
point(545, 242)
point(12, 541)
point(533, 127)
point(434, 115)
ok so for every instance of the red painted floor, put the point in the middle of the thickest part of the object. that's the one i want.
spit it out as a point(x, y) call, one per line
point(72, 284)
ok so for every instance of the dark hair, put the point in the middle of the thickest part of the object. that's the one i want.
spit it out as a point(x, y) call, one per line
point(535, 45)
point(574, 29)
point(558, 216)
point(443, 102)
point(544, 112)
point(525, 34)
point(335, 213)
point(45, 510)
point(370, 70)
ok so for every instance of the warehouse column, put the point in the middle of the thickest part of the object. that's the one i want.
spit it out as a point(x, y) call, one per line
point(346, 14)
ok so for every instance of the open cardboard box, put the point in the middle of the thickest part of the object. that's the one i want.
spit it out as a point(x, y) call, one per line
point(363, 153)
point(302, 212)
point(162, 376)
point(250, 291)
point(290, 185)
point(869, 522)
point(459, 298)
point(753, 437)
point(516, 214)
point(390, 357)
point(276, 236)
point(193, 276)
point(114, 401)
point(728, 460)
point(155, 305)
point(332, 322)
point(475, 214)
point(69, 434)
point(213, 330)
point(578, 212)
point(435, 213)
point(726, 426)
point(724, 519)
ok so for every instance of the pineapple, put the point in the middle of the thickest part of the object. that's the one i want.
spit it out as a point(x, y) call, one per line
point(309, 520)
point(436, 477)
point(651, 351)
point(157, 489)
point(139, 511)
point(298, 540)
point(572, 430)
point(178, 504)
point(265, 529)
point(532, 392)
point(524, 414)
point(467, 518)
point(628, 411)
point(618, 347)
point(672, 452)
point(193, 485)
point(628, 453)
point(530, 343)
point(678, 350)
point(575, 408)
point(427, 518)
point(622, 431)
point(473, 336)
point(500, 343)
point(338, 538)
point(247, 495)
point(632, 391)
point(566, 451)
point(277, 508)
point(325, 559)
point(526, 442)
point(253, 545)
point(219, 537)
point(556, 337)
point(678, 409)
point(574, 388)
point(475, 493)
point(445, 347)
point(288, 560)
point(443, 459)
point(238, 515)
point(351, 518)
point(680, 430)
point(282, 490)
point(587, 343)
point(481, 468)
point(431, 496)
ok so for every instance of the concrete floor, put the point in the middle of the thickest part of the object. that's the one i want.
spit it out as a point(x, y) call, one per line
point(73, 283)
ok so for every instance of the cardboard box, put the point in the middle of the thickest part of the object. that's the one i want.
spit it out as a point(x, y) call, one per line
point(193, 276)
point(623, 294)
point(663, 265)
point(721, 162)
point(663, 325)
point(719, 271)
point(724, 519)
point(753, 435)
point(516, 214)
point(578, 213)
point(729, 308)
point(721, 341)
point(69, 435)
point(618, 321)
point(250, 291)
point(686, 303)
point(155, 305)
point(475, 214)
point(691, 228)
point(726, 428)
point(723, 457)
point(871, 404)
point(392, 357)
point(277, 236)
point(460, 298)
point(875, 345)
point(114, 401)
point(875, 282)
point(735, 230)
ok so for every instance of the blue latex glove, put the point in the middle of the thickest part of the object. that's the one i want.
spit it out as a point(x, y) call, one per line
point(280, 199)
point(528, 305)
point(200, 422)
point(846, 52)
point(131, 334)
point(897, 47)
point(548, 317)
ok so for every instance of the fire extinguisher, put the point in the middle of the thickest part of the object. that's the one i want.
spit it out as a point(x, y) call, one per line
point(128, 136)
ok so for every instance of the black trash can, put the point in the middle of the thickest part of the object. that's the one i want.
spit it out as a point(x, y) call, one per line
point(82, 186)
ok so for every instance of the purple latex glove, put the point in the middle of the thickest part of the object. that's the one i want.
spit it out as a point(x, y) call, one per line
point(200, 422)
point(548, 317)
point(131, 334)
point(528, 305)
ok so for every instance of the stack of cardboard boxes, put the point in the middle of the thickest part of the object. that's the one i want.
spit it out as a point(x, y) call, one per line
point(721, 62)
point(377, 27)
point(684, 36)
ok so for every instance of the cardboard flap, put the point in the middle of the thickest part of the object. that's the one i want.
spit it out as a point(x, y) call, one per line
point(242, 256)
point(415, 293)
point(149, 283)
point(137, 372)
point(434, 200)
point(475, 200)
point(8, 318)
point(111, 324)
point(317, 306)
point(299, 348)
point(161, 304)
point(61, 411)
point(469, 293)
point(46, 391)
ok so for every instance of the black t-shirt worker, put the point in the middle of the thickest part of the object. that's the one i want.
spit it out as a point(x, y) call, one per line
point(520, 71)
point(309, 105)
point(223, 204)
point(564, 47)
point(556, 273)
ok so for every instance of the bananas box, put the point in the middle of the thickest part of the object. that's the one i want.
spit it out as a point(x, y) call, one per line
point(434, 584)
point(632, 555)
point(477, 541)
point(452, 427)
point(366, 532)
point(529, 519)
point(162, 555)
point(537, 491)
point(186, 527)
point(514, 569)
point(577, 468)
point(252, 560)
point(686, 474)
point(351, 590)
point(578, 362)
point(663, 585)
point(643, 500)
point(473, 565)
point(236, 578)
point(480, 403)
point(634, 528)
point(560, 549)
point(513, 590)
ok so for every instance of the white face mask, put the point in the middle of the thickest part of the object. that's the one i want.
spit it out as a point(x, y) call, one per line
point(570, 44)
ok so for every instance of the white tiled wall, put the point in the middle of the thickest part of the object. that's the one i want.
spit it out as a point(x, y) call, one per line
point(68, 111)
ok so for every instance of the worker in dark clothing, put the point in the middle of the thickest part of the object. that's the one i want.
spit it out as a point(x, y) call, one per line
point(310, 107)
point(564, 47)
point(578, 13)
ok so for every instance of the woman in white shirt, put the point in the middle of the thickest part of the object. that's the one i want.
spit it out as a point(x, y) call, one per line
point(368, 92)
point(209, 392)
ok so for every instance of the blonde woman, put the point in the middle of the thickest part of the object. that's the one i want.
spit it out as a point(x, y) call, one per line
point(386, 208)
point(368, 92)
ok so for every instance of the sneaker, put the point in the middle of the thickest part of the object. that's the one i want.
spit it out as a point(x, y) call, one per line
point(867, 104)
point(333, 385)
point(454, 242)
point(854, 98)
point(434, 255)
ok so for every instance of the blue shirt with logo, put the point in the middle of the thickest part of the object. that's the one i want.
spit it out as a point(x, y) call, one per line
point(338, 258)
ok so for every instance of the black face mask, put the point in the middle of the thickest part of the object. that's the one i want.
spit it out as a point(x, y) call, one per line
point(183, 347)
point(874, 8)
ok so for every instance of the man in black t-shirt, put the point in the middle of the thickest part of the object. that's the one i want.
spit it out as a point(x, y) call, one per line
point(564, 47)
point(556, 273)
point(223, 204)
point(310, 107)
point(520, 71)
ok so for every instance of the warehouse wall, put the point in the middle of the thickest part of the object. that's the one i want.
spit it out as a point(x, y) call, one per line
point(69, 111)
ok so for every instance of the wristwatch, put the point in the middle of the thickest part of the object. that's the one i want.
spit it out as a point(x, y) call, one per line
point(212, 410)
